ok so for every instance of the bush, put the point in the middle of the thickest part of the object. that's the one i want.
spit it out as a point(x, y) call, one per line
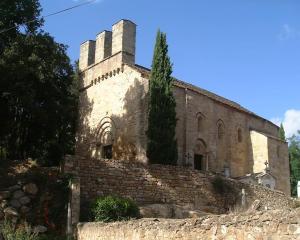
point(10, 232)
point(110, 208)
point(221, 186)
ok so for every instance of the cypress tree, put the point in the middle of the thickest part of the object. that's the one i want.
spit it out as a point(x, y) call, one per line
point(294, 156)
point(281, 133)
point(161, 145)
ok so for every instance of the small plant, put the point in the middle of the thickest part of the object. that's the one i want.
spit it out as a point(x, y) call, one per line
point(111, 208)
point(10, 232)
point(221, 186)
point(227, 193)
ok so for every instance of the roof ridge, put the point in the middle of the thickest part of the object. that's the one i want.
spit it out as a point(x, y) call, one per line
point(207, 93)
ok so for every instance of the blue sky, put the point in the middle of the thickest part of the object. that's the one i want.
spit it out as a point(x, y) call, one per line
point(245, 50)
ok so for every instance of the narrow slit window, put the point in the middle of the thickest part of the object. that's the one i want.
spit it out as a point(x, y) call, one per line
point(240, 135)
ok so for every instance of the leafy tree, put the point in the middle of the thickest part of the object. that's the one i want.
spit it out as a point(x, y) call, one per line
point(294, 155)
point(162, 145)
point(38, 92)
point(281, 133)
point(15, 13)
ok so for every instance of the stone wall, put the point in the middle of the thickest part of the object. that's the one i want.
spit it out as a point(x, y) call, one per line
point(111, 114)
point(275, 225)
point(148, 184)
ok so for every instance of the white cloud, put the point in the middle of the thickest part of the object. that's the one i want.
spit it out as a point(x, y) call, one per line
point(290, 121)
point(287, 32)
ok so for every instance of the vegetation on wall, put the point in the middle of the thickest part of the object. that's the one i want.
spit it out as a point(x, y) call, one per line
point(161, 145)
point(294, 155)
point(38, 89)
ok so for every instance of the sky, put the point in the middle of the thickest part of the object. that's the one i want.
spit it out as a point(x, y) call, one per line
point(245, 50)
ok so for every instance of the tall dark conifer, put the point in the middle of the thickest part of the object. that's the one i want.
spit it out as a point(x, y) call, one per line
point(282, 133)
point(162, 145)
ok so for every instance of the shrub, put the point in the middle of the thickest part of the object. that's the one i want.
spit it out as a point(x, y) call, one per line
point(228, 193)
point(10, 232)
point(110, 208)
point(220, 185)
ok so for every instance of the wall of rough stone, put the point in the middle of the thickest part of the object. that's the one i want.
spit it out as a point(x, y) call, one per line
point(260, 153)
point(148, 184)
point(275, 225)
point(279, 163)
point(113, 107)
point(241, 156)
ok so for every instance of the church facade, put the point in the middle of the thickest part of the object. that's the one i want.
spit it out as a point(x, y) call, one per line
point(214, 134)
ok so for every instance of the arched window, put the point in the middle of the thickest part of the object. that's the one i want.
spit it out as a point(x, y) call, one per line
point(200, 121)
point(221, 129)
point(240, 135)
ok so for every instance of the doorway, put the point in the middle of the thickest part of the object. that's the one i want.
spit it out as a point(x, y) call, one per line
point(198, 162)
point(107, 152)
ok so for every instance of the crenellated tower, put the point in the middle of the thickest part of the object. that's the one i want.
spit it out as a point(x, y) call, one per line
point(118, 44)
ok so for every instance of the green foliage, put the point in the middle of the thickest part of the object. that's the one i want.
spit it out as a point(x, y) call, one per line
point(161, 145)
point(228, 193)
point(294, 155)
point(25, 232)
point(221, 186)
point(25, 13)
point(38, 88)
point(282, 133)
point(110, 208)
point(10, 232)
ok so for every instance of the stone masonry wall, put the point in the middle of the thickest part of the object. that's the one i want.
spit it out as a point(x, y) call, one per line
point(109, 108)
point(275, 225)
point(148, 184)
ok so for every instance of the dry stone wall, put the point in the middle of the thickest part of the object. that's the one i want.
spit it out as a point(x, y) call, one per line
point(275, 225)
point(148, 184)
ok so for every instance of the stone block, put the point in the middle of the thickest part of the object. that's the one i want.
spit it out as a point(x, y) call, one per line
point(10, 211)
point(15, 203)
point(24, 200)
point(18, 194)
point(4, 195)
point(30, 188)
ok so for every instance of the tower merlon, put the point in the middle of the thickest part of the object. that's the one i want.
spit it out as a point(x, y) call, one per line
point(103, 46)
point(123, 39)
point(87, 54)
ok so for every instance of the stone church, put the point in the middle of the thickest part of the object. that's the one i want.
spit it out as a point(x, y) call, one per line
point(213, 133)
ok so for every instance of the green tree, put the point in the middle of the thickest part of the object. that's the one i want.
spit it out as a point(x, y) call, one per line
point(161, 145)
point(294, 155)
point(38, 91)
point(17, 15)
point(281, 133)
